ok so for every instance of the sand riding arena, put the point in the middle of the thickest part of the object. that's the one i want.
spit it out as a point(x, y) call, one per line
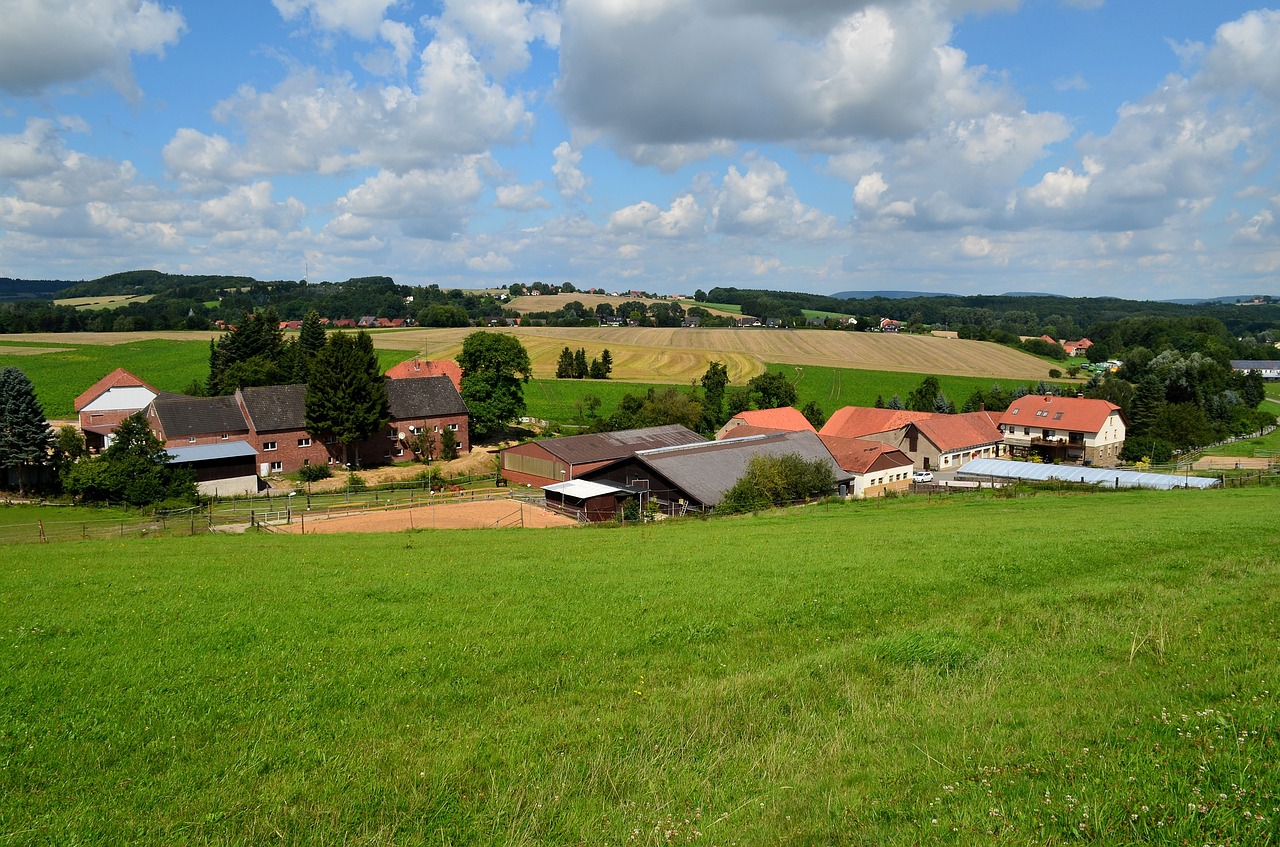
point(480, 514)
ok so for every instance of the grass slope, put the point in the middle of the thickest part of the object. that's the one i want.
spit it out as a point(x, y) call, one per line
point(905, 672)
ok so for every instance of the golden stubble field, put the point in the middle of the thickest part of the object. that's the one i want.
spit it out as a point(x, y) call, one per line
point(677, 355)
point(647, 354)
point(553, 302)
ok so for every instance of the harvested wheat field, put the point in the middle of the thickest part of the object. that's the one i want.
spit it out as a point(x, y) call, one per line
point(677, 355)
point(481, 514)
point(554, 302)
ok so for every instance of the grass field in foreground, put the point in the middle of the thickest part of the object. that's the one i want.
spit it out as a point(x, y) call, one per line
point(1096, 669)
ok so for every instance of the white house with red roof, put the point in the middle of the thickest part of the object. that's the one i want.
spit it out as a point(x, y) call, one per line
point(874, 468)
point(1064, 429)
point(933, 441)
point(110, 400)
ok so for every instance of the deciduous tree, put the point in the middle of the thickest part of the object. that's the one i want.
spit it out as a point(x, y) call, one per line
point(495, 368)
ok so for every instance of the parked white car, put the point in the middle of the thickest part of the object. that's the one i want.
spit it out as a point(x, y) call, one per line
point(922, 476)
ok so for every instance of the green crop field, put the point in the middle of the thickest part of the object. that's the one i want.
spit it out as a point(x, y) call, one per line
point(59, 377)
point(1100, 669)
point(558, 400)
point(835, 388)
point(831, 388)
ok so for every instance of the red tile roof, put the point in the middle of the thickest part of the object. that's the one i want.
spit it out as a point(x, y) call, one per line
point(959, 432)
point(782, 419)
point(860, 456)
point(860, 421)
point(116, 379)
point(437, 367)
point(1082, 414)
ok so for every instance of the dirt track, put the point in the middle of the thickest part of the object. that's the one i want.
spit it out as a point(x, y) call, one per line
point(484, 514)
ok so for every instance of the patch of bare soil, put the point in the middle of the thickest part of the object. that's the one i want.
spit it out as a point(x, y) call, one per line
point(1214, 463)
point(481, 461)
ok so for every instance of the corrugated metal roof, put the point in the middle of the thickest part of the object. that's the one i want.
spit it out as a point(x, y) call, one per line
point(210, 452)
point(706, 471)
point(1005, 469)
point(605, 446)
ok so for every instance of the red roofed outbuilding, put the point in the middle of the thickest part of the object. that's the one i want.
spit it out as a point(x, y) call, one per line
point(876, 468)
point(760, 421)
point(415, 367)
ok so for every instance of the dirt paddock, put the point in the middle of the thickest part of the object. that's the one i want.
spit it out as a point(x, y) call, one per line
point(1210, 463)
point(483, 514)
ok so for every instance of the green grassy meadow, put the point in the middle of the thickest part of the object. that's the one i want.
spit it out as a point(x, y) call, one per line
point(835, 388)
point(1096, 669)
point(1266, 446)
point(59, 377)
point(831, 388)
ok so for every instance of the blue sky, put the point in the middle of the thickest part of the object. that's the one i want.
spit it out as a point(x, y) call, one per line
point(1085, 147)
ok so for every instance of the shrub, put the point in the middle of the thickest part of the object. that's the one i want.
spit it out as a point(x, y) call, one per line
point(314, 473)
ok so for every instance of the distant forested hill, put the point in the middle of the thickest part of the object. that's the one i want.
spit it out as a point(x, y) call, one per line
point(30, 289)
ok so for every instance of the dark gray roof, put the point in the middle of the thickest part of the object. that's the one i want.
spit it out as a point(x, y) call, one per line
point(180, 416)
point(273, 408)
point(424, 397)
point(706, 471)
point(606, 446)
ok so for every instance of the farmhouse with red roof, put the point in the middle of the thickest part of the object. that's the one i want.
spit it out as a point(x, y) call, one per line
point(1064, 429)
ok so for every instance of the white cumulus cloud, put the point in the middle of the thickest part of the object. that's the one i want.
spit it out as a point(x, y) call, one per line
point(46, 42)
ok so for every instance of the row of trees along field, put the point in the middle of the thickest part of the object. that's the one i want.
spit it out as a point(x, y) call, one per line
point(1068, 318)
point(194, 302)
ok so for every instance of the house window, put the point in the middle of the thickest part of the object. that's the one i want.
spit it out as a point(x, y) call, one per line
point(277, 467)
point(191, 439)
point(304, 442)
point(453, 427)
point(224, 436)
point(1026, 430)
point(1048, 433)
point(268, 445)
